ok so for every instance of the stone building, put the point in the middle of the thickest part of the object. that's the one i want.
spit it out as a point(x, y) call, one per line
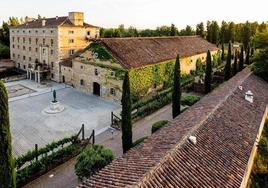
point(100, 68)
point(39, 45)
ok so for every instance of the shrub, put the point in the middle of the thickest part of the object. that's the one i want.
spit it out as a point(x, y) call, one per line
point(139, 141)
point(92, 159)
point(4, 52)
point(260, 66)
point(158, 125)
point(190, 100)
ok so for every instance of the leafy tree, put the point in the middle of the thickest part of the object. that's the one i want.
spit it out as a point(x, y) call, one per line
point(246, 34)
point(215, 32)
point(262, 27)
point(200, 30)
point(188, 31)
point(247, 61)
point(260, 66)
point(4, 52)
point(231, 32)
point(173, 30)
point(209, 31)
point(126, 115)
point(241, 59)
point(176, 95)
point(227, 69)
point(92, 159)
point(208, 76)
point(223, 31)
point(235, 63)
point(7, 171)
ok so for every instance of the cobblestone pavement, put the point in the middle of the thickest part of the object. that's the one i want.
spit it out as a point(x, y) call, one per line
point(64, 176)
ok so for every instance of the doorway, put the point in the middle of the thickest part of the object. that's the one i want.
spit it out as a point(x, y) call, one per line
point(96, 88)
point(63, 79)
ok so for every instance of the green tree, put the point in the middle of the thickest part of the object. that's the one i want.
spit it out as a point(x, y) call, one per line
point(235, 63)
point(215, 32)
point(246, 34)
point(227, 69)
point(241, 59)
point(260, 65)
point(247, 60)
point(7, 171)
point(223, 32)
point(176, 95)
point(209, 32)
point(208, 76)
point(200, 30)
point(173, 30)
point(126, 115)
point(222, 52)
point(92, 159)
point(231, 32)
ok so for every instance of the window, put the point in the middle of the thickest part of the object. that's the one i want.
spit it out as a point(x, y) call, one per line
point(36, 31)
point(51, 52)
point(52, 64)
point(112, 73)
point(52, 75)
point(71, 32)
point(18, 39)
point(24, 58)
point(23, 40)
point(96, 72)
point(13, 55)
point(44, 61)
point(30, 41)
point(51, 42)
point(44, 41)
point(18, 31)
point(29, 31)
point(44, 31)
point(51, 31)
point(71, 52)
point(30, 48)
point(44, 50)
point(81, 67)
point(18, 46)
point(82, 82)
point(13, 39)
point(23, 47)
point(36, 41)
point(23, 31)
point(24, 66)
point(18, 56)
point(112, 91)
point(88, 33)
point(36, 49)
point(30, 59)
point(71, 41)
point(13, 46)
point(18, 65)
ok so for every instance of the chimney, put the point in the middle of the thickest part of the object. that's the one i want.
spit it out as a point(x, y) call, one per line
point(249, 96)
point(43, 23)
point(77, 18)
point(193, 140)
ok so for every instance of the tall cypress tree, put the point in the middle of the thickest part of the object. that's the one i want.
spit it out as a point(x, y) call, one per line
point(227, 69)
point(247, 61)
point(7, 172)
point(208, 76)
point(176, 95)
point(235, 64)
point(222, 52)
point(241, 59)
point(126, 115)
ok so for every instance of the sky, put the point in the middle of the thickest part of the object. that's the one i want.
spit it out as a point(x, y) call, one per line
point(141, 13)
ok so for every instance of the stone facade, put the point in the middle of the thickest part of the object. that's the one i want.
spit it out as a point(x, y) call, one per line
point(100, 77)
point(48, 41)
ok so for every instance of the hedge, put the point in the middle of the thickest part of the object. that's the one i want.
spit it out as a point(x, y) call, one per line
point(139, 141)
point(158, 125)
point(189, 100)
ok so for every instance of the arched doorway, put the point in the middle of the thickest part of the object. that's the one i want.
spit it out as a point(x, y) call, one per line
point(96, 88)
point(63, 79)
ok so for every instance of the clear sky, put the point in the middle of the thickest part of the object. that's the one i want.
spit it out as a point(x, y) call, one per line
point(141, 13)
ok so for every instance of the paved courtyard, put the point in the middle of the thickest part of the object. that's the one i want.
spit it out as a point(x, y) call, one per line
point(30, 125)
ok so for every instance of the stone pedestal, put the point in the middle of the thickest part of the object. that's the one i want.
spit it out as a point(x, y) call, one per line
point(54, 108)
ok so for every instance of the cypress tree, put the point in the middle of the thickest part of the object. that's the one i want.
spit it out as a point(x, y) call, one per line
point(222, 52)
point(227, 68)
point(7, 172)
point(176, 95)
point(126, 115)
point(247, 61)
point(208, 77)
point(241, 59)
point(235, 64)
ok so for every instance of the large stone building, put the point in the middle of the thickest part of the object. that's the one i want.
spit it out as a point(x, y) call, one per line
point(100, 68)
point(38, 46)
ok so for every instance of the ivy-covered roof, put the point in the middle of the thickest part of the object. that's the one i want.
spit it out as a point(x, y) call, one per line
point(139, 52)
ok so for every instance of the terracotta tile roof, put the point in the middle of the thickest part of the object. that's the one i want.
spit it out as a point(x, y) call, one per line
point(138, 52)
point(226, 127)
point(51, 23)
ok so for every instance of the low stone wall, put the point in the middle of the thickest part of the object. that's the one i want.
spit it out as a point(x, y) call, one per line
point(6, 64)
